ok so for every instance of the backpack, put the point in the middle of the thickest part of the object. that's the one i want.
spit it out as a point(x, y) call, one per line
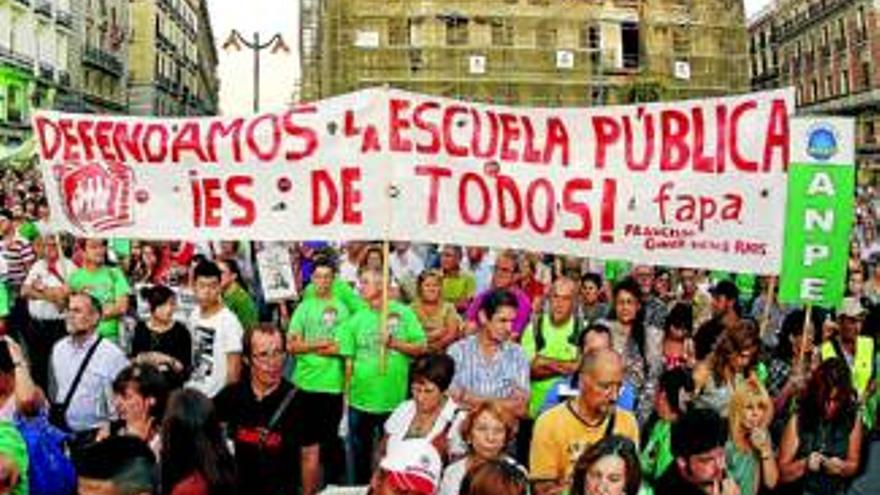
point(50, 471)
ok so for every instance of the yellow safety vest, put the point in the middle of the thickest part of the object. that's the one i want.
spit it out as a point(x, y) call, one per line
point(862, 364)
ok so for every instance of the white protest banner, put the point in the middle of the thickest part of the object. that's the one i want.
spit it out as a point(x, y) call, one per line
point(694, 183)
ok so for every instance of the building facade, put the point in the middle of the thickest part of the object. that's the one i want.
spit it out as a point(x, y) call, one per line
point(104, 56)
point(525, 52)
point(828, 50)
point(35, 60)
point(172, 59)
point(208, 82)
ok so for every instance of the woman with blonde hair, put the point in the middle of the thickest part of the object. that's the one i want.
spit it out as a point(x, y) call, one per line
point(749, 450)
point(487, 430)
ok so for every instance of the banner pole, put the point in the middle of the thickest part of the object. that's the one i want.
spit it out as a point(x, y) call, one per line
point(765, 317)
point(805, 334)
point(390, 192)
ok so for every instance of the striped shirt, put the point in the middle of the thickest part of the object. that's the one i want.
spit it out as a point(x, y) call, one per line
point(18, 256)
point(493, 377)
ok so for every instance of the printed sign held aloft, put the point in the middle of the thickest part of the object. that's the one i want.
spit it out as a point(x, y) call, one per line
point(692, 183)
point(820, 211)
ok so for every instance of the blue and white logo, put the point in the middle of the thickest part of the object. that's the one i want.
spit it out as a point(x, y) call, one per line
point(822, 142)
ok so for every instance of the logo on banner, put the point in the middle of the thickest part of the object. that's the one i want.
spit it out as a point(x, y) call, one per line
point(95, 197)
point(822, 142)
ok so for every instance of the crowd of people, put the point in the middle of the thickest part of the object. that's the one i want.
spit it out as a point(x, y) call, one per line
point(133, 367)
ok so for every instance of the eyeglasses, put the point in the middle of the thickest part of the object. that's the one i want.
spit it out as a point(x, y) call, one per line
point(268, 355)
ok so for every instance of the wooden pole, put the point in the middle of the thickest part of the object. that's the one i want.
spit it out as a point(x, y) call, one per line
point(383, 349)
point(768, 303)
point(805, 335)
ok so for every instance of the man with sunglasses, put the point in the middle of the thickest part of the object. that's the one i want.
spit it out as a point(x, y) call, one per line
point(266, 419)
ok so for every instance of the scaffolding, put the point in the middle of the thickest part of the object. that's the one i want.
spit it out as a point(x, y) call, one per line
point(524, 52)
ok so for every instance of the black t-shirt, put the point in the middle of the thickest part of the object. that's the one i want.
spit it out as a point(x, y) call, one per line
point(176, 342)
point(273, 468)
point(672, 483)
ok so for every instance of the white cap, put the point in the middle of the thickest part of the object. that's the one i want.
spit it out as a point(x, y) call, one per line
point(413, 465)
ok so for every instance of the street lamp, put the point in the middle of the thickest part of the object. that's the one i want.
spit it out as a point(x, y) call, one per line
point(235, 41)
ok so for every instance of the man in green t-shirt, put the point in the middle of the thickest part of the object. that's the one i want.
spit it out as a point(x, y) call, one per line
point(313, 340)
point(550, 342)
point(375, 390)
point(342, 291)
point(106, 283)
point(235, 297)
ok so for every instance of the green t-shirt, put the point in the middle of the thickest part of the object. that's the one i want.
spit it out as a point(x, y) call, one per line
point(657, 456)
point(4, 300)
point(319, 319)
point(616, 270)
point(107, 284)
point(556, 346)
point(372, 391)
point(458, 288)
point(240, 302)
point(29, 231)
point(342, 292)
point(746, 282)
point(122, 247)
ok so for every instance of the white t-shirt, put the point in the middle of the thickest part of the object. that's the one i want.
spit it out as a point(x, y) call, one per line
point(213, 339)
point(453, 475)
point(40, 309)
point(398, 423)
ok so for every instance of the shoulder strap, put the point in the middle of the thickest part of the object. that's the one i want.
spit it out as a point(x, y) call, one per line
point(538, 332)
point(276, 417)
point(609, 429)
point(79, 374)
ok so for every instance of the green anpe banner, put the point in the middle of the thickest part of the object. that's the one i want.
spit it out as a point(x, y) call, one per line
point(819, 216)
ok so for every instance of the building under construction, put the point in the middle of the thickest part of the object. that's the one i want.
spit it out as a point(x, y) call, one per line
point(526, 52)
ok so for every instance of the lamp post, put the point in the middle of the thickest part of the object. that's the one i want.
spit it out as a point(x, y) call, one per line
point(235, 41)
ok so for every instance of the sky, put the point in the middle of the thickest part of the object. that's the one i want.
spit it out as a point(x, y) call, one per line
point(280, 72)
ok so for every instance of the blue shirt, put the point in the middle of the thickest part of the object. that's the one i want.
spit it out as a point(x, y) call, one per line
point(562, 389)
point(495, 377)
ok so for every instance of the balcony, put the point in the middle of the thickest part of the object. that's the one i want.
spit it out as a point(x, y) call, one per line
point(19, 60)
point(44, 8)
point(22, 3)
point(164, 43)
point(63, 78)
point(47, 71)
point(165, 5)
point(104, 61)
point(817, 12)
point(64, 18)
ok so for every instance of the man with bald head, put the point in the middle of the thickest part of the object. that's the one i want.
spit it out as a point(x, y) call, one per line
point(550, 342)
point(565, 431)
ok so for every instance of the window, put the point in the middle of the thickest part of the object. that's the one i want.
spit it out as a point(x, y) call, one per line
point(844, 82)
point(841, 30)
point(398, 32)
point(681, 40)
point(860, 22)
point(502, 33)
point(814, 90)
point(456, 32)
point(829, 87)
point(545, 36)
point(866, 75)
point(629, 35)
point(870, 131)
